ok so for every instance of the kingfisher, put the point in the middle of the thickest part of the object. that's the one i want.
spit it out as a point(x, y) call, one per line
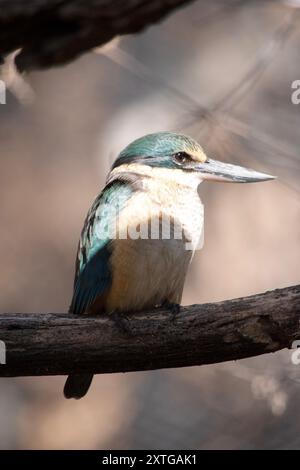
point(142, 230)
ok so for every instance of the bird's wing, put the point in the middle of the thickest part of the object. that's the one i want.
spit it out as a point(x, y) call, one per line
point(93, 275)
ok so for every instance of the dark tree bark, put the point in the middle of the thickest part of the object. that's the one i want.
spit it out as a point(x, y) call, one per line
point(52, 344)
point(52, 32)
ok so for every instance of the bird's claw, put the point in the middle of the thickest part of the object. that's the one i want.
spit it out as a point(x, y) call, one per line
point(173, 308)
point(121, 322)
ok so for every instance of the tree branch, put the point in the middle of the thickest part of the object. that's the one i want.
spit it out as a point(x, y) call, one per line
point(54, 344)
point(52, 32)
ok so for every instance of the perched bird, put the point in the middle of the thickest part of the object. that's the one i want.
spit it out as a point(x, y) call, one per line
point(143, 228)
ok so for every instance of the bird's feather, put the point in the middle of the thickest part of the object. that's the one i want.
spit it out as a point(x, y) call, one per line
point(93, 271)
point(93, 275)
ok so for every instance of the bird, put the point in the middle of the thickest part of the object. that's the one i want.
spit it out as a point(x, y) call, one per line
point(143, 229)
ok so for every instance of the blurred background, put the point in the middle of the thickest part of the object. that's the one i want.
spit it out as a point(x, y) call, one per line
point(223, 74)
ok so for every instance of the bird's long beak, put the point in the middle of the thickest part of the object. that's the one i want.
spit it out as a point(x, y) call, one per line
point(219, 171)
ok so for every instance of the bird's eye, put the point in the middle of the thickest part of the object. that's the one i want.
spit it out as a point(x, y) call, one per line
point(182, 157)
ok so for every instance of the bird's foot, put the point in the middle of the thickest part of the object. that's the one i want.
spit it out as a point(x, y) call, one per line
point(122, 322)
point(173, 307)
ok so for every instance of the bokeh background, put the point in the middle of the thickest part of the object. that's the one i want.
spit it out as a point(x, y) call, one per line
point(221, 72)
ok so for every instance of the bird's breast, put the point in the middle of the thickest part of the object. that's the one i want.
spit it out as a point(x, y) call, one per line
point(156, 236)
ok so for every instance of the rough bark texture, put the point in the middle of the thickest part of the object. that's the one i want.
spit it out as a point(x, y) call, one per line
point(52, 344)
point(52, 32)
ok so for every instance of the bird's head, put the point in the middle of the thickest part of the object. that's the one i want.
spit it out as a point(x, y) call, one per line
point(179, 157)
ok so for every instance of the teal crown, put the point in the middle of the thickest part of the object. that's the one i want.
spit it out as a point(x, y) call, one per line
point(154, 148)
